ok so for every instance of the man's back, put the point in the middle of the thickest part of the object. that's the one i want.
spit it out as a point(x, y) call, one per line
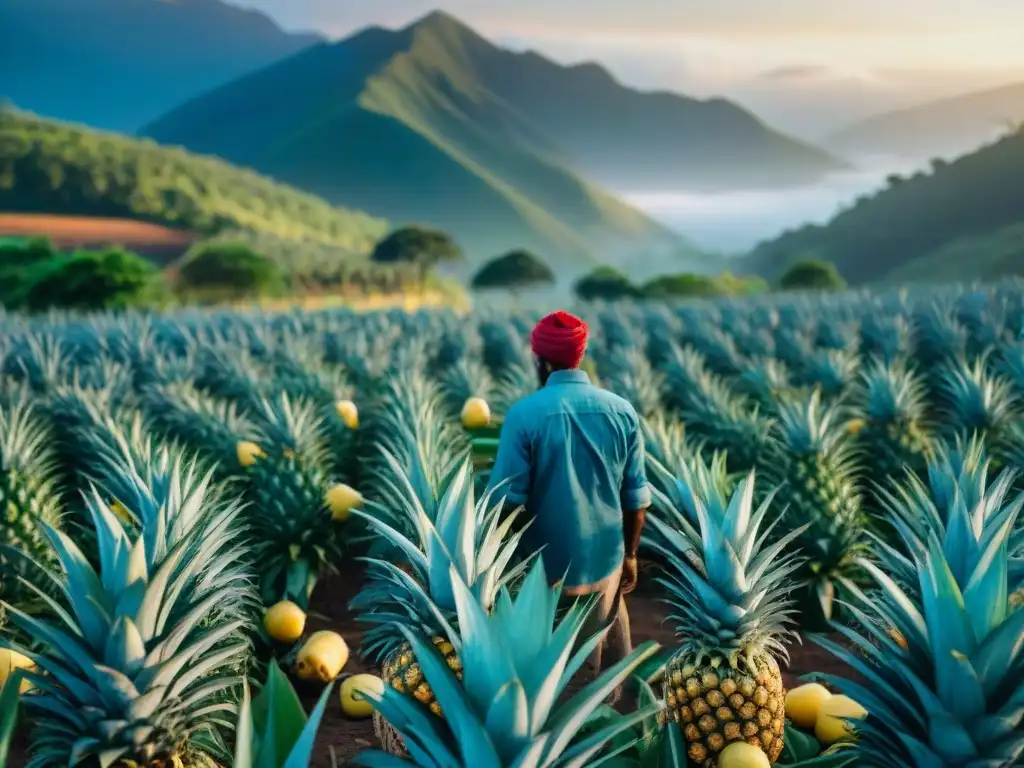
point(573, 453)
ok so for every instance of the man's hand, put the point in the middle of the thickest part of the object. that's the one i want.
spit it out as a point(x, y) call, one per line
point(630, 573)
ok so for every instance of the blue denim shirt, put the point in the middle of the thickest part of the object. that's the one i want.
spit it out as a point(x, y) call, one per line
point(573, 454)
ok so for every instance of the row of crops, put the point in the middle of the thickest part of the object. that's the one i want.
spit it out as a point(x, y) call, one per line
point(841, 469)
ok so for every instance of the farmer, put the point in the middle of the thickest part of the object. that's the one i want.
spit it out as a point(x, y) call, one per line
point(572, 454)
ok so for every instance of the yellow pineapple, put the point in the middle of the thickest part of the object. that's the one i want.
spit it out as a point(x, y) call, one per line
point(402, 672)
point(717, 703)
point(724, 684)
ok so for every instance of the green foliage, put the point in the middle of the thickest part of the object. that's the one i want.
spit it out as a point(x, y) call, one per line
point(52, 167)
point(273, 731)
point(232, 268)
point(674, 286)
point(9, 694)
point(15, 258)
point(83, 280)
point(990, 256)
point(423, 246)
point(813, 274)
point(516, 269)
point(606, 283)
point(880, 237)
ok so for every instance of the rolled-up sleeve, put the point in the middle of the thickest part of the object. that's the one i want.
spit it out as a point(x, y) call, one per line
point(512, 464)
point(636, 493)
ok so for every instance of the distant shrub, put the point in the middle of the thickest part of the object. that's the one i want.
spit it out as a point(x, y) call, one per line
point(606, 283)
point(514, 270)
point(88, 280)
point(813, 274)
point(683, 285)
point(230, 269)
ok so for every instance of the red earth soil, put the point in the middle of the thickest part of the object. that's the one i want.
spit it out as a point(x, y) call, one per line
point(349, 737)
point(68, 232)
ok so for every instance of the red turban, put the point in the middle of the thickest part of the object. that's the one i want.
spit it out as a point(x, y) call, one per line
point(560, 338)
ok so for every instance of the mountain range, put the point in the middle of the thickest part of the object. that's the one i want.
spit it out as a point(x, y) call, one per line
point(118, 64)
point(942, 128)
point(432, 122)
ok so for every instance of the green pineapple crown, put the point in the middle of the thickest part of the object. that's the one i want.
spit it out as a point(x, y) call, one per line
point(460, 533)
point(426, 447)
point(891, 394)
point(806, 426)
point(141, 655)
point(516, 663)
point(729, 588)
point(972, 399)
point(959, 508)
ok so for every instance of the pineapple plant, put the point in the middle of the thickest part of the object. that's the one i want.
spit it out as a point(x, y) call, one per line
point(891, 429)
point(210, 427)
point(712, 413)
point(812, 462)
point(971, 399)
point(141, 656)
point(460, 535)
point(295, 537)
point(958, 489)
point(950, 694)
point(28, 499)
point(730, 597)
point(503, 709)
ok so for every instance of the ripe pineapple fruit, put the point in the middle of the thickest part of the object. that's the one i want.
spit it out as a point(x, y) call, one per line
point(731, 601)
point(403, 673)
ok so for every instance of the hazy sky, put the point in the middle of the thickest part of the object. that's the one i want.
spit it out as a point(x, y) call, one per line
point(805, 65)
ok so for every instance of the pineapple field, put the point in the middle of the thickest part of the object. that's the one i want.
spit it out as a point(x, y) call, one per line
point(268, 540)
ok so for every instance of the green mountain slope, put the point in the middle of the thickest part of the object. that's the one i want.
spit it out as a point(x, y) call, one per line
point(398, 124)
point(955, 222)
point(119, 64)
point(942, 128)
point(51, 167)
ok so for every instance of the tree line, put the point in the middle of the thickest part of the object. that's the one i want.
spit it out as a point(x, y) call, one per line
point(35, 276)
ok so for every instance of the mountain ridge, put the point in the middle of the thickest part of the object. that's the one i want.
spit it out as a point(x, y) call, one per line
point(65, 59)
point(423, 141)
point(432, 122)
point(941, 127)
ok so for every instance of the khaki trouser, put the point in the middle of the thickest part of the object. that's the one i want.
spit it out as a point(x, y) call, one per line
point(609, 612)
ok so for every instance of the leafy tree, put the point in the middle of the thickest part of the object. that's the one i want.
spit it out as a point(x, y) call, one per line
point(813, 274)
point(231, 268)
point(605, 283)
point(91, 280)
point(423, 247)
point(516, 269)
point(682, 285)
